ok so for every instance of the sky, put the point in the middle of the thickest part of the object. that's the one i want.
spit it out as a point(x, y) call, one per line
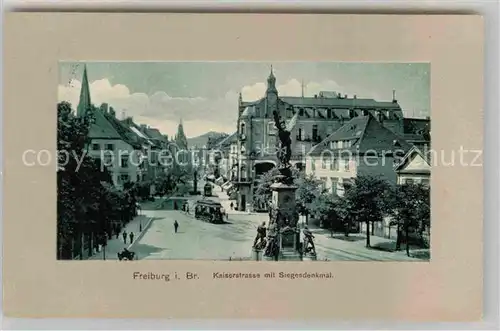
point(204, 95)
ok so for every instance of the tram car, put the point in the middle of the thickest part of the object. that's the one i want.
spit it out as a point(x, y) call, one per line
point(207, 190)
point(209, 211)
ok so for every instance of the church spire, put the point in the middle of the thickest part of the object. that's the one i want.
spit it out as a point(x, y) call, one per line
point(271, 82)
point(180, 137)
point(84, 104)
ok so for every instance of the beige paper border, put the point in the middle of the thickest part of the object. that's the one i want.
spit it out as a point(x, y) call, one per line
point(36, 285)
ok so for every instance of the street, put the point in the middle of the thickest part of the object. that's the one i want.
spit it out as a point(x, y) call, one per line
point(198, 240)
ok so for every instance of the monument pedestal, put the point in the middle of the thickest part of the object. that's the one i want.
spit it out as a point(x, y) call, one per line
point(289, 244)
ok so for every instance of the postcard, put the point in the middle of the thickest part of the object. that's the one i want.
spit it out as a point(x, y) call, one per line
point(305, 178)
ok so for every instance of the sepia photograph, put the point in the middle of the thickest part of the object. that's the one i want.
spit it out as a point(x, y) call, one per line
point(244, 161)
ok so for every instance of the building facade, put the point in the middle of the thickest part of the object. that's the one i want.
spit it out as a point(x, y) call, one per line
point(319, 117)
point(414, 168)
point(363, 146)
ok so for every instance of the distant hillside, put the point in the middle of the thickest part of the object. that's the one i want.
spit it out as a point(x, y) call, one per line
point(202, 140)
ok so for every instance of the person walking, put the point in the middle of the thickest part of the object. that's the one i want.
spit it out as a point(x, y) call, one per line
point(131, 237)
point(231, 205)
point(124, 235)
point(176, 226)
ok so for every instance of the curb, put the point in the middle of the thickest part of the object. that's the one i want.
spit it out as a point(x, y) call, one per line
point(139, 237)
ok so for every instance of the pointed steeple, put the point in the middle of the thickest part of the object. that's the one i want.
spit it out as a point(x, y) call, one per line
point(180, 137)
point(271, 82)
point(84, 104)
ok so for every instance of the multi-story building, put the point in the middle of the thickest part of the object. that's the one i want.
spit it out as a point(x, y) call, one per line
point(414, 167)
point(319, 117)
point(110, 141)
point(361, 146)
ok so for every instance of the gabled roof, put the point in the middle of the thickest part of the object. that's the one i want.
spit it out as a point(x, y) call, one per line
point(408, 157)
point(101, 128)
point(365, 134)
point(126, 134)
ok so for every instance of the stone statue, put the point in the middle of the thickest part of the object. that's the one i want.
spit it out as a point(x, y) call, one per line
point(284, 132)
point(309, 247)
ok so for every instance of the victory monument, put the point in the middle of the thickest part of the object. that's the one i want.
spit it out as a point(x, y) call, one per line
point(283, 233)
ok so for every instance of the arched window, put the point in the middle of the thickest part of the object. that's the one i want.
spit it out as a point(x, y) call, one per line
point(242, 128)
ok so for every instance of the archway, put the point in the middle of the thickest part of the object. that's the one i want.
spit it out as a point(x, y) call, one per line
point(263, 167)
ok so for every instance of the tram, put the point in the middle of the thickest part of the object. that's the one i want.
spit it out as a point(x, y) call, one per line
point(209, 211)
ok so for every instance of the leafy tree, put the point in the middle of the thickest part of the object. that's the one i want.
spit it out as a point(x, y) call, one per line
point(309, 189)
point(86, 204)
point(324, 209)
point(410, 212)
point(364, 201)
point(263, 190)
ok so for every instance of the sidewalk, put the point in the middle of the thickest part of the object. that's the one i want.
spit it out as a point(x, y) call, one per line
point(355, 245)
point(115, 245)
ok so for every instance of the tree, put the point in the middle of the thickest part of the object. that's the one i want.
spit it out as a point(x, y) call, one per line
point(86, 203)
point(324, 209)
point(364, 201)
point(309, 189)
point(263, 191)
point(410, 211)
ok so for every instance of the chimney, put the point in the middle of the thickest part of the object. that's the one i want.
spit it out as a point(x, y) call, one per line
point(354, 96)
point(143, 126)
point(112, 111)
point(345, 96)
point(394, 96)
point(315, 96)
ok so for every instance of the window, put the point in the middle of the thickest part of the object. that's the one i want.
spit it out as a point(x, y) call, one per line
point(124, 161)
point(329, 113)
point(124, 178)
point(301, 112)
point(408, 181)
point(323, 163)
point(271, 129)
point(340, 144)
point(346, 165)
point(110, 147)
point(315, 132)
point(242, 128)
point(95, 147)
point(334, 164)
point(334, 144)
point(335, 181)
point(323, 183)
point(299, 134)
point(313, 165)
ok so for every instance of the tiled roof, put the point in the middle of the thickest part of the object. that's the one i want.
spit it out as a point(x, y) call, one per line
point(414, 150)
point(155, 134)
point(126, 134)
point(341, 103)
point(414, 125)
point(101, 128)
point(365, 134)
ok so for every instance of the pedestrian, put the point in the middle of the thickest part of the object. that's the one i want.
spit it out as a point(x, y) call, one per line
point(176, 226)
point(231, 205)
point(124, 235)
point(131, 237)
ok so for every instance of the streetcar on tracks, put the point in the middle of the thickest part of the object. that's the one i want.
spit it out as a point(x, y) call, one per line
point(209, 211)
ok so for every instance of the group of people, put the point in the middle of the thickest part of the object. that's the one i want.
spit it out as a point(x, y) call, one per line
point(260, 239)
